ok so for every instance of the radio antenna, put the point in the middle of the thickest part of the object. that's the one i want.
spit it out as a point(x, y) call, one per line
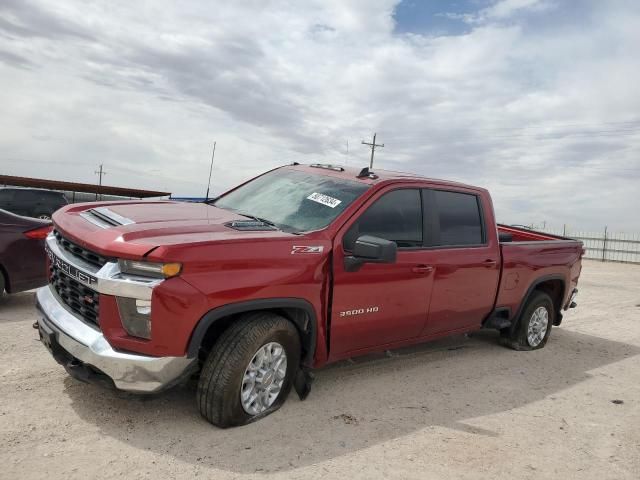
point(213, 154)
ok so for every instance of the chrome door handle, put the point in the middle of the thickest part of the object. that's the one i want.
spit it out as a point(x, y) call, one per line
point(489, 263)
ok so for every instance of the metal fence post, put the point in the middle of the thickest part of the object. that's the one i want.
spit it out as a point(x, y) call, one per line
point(604, 244)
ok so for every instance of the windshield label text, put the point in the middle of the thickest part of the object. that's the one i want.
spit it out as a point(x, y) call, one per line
point(324, 199)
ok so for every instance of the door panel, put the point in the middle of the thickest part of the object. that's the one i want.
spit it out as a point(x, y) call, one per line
point(378, 304)
point(381, 303)
point(466, 260)
point(464, 288)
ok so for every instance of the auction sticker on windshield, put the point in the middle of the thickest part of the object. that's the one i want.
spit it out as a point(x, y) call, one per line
point(324, 199)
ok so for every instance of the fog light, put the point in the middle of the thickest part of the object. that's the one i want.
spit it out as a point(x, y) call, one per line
point(136, 316)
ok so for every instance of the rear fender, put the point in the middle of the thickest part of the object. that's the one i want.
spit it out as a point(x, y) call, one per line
point(515, 319)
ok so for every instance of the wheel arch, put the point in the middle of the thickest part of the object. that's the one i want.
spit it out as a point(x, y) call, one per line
point(298, 311)
point(552, 285)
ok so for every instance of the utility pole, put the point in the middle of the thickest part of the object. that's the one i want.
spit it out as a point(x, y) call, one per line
point(100, 173)
point(373, 146)
point(213, 154)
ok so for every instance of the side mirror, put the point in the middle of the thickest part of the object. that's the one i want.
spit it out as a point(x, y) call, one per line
point(370, 249)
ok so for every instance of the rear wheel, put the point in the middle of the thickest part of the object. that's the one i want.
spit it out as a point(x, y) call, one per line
point(534, 325)
point(249, 371)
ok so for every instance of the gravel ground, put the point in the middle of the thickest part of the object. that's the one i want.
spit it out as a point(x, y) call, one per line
point(463, 407)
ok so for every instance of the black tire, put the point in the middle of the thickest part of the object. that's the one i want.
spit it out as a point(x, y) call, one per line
point(220, 382)
point(518, 339)
point(2, 283)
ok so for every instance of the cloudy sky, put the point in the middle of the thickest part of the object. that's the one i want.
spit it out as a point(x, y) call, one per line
point(537, 100)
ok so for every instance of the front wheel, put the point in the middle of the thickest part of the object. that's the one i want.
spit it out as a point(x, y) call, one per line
point(249, 371)
point(534, 324)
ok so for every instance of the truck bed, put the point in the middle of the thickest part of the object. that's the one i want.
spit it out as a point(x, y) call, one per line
point(529, 258)
point(521, 234)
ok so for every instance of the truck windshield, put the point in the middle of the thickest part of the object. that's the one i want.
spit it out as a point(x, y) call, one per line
point(293, 200)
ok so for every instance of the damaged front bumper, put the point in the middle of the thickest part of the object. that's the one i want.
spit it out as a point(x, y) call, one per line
point(86, 354)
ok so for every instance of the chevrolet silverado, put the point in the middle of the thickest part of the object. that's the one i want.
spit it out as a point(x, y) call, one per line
point(298, 267)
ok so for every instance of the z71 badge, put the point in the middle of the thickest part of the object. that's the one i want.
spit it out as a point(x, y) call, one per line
point(306, 249)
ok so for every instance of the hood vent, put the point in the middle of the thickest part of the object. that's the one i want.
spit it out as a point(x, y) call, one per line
point(250, 226)
point(105, 218)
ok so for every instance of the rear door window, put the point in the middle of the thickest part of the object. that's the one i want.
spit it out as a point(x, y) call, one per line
point(25, 196)
point(48, 197)
point(6, 195)
point(459, 218)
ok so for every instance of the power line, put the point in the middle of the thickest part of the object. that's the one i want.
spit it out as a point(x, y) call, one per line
point(142, 173)
point(551, 135)
point(373, 146)
point(634, 123)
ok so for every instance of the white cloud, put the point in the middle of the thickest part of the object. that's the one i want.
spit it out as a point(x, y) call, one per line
point(532, 110)
point(507, 8)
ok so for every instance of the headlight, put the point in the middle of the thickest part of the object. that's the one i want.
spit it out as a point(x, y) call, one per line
point(136, 316)
point(150, 269)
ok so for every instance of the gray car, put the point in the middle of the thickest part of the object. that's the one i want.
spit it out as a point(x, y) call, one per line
point(31, 202)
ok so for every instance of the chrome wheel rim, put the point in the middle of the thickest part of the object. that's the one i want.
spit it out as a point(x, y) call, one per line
point(44, 217)
point(263, 378)
point(538, 325)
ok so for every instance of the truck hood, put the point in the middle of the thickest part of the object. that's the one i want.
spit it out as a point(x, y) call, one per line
point(133, 229)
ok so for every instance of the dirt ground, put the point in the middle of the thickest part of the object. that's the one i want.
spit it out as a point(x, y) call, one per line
point(457, 408)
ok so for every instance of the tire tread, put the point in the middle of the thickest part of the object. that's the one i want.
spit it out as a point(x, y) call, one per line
point(517, 339)
point(232, 349)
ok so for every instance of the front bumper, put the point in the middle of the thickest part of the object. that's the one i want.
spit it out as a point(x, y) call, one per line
point(84, 350)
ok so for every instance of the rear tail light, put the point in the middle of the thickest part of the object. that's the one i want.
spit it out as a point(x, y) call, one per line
point(39, 233)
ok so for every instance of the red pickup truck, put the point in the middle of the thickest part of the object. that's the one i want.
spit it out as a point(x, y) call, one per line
point(298, 267)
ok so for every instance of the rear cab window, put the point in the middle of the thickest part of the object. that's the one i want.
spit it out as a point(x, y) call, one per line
point(454, 218)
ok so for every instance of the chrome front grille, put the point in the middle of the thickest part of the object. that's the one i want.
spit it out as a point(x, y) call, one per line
point(82, 300)
point(80, 252)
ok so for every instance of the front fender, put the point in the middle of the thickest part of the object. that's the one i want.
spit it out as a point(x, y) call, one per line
point(306, 323)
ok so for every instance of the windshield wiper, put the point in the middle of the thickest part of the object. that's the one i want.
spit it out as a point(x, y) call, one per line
point(284, 228)
point(258, 219)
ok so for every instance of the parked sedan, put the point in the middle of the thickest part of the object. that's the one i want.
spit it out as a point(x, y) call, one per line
point(22, 256)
